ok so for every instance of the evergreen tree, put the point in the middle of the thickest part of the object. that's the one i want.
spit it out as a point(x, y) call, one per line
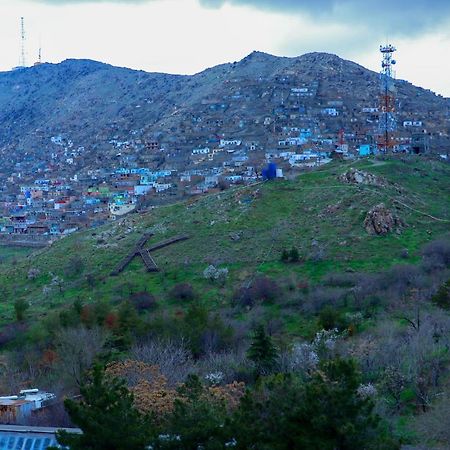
point(294, 255)
point(324, 412)
point(262, 351)
point(20, 308)
point(107, 418)
point(198, 421)
point(442, 296)
point(285, 256)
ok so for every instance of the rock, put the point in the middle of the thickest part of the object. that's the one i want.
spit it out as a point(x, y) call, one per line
point(355, 176)
point(235, 236)
point(381, 221)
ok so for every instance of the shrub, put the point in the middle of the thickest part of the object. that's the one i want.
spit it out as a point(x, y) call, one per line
point(285, 255)
point(143, 301)
point(214, 274)
point(10, 332)
point(74, 267)
point(20, 307)
point(330, 318)
point(290, 256)
point(262, 289)
point(294, 255)
point(33, 273)
point(442, 296)
point(438, 251)
point(182, 291)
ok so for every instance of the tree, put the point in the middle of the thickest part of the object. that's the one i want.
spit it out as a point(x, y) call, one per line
point(77, 349)
point(442, 296)
point(20, 307)
point(294, 255)
point(107, 417)
point(197, 421)
point(323, 412)
point(284, 255)
point(262, 351)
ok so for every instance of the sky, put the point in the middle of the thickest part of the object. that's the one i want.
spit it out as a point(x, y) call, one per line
point(187, 36)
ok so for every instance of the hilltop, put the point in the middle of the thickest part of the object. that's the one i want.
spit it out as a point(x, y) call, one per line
point(244, 230)
point(91, 104)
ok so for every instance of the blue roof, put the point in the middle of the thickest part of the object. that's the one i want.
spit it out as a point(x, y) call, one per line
point(22, 441)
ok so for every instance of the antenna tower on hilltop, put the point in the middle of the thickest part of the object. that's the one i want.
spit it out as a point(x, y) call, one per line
point(22, 62)
point(387, 122)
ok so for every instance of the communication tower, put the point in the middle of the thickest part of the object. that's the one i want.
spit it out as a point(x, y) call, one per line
point(387, 122)
point(23, 61)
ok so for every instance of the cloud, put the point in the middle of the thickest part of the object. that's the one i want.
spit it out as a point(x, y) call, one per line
point(394, 16)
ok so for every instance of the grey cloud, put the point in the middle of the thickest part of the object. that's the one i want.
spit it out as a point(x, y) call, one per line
point(396, 16)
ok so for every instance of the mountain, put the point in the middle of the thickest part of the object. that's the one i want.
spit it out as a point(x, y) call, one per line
point(90, 104)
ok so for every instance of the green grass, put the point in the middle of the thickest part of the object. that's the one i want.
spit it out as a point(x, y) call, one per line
point(246, 237)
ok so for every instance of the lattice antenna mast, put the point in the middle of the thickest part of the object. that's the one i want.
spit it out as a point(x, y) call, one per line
point(23, 61)
point(387, 120)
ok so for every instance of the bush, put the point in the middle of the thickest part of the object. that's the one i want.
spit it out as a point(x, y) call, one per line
point(265, 289)
point(436, 255)
point(294, 255)
point(290, 256)
point(442, 296)
point(330, 318)
point(143, 301)
point(10, 332)
point(20, 307)
point(262, 289)
point(214, 274)
point(183, 291)
point(74, 267)
point(285, 255)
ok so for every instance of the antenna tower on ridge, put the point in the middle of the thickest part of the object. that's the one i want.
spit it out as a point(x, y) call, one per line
point(387, 124)
point(23, 61)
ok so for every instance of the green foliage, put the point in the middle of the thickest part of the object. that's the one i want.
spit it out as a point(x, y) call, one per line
point(262, 351)
point(107, 418)
point(330, 318)
point(294, 255)
point(128, 323)
point(20, 308)
point(198, 326)
point(323, 412)
point(442, 296)
point(198, 421)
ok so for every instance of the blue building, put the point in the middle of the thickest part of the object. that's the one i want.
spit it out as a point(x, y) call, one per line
point(367, 150)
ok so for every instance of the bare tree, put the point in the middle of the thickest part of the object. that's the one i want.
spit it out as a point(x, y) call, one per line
point(77, 349)
point(173, 358)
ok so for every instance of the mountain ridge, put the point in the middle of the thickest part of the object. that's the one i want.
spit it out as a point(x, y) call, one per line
point(91, 103)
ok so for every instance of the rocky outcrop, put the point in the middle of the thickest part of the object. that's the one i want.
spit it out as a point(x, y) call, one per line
point(381, 221)
point(355, 176)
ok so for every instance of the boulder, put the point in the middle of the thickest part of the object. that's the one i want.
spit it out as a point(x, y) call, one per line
point(355, 176)
point(381, 221)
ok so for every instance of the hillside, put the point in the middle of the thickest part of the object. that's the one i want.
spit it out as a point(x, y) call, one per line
point(245, 230)
point(90, 104)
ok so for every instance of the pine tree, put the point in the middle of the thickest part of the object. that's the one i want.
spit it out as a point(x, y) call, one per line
point(285, 256)
point(442, 296)
point(20, 308)
point(262, 351)
point(107, 418)
point(294, 255)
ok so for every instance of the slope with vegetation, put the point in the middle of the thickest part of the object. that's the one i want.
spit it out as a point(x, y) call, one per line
point(278, 286)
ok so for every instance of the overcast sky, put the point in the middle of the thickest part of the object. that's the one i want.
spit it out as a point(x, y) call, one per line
point(186, 36)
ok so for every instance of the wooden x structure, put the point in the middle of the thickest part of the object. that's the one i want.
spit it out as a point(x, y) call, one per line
point(144, 253)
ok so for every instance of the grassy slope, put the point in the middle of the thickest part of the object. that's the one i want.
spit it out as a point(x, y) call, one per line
point(282, 214)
